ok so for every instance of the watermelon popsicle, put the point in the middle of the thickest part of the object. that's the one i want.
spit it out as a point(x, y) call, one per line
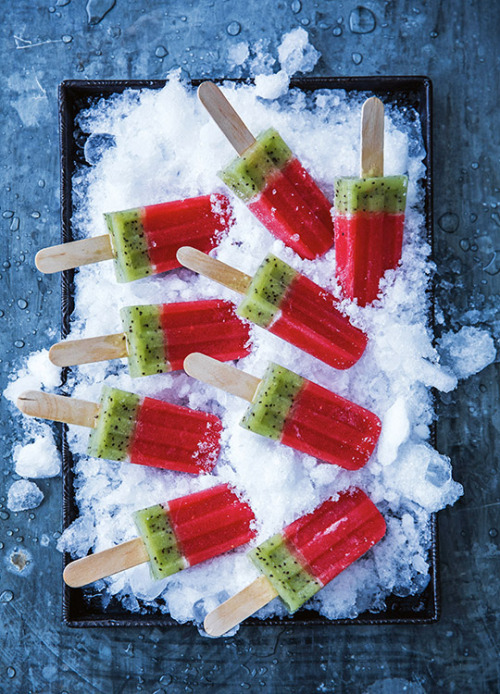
point(288, 408)
point(272, 182)
point(369, 215)
point(173, 536)
point(158, 337)
point(309, 553)
point(130, 428)
point(143, 241)
point(289, 305)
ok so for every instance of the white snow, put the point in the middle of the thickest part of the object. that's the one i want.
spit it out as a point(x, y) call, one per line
point(468, 351)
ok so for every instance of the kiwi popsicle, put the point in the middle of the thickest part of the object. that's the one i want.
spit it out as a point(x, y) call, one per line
point(131, 428)
point(143, 241)
point(282, 195)
point(303, 415)
point(269, 178)
point(194, 528)
point(173, 536)
point(158, 337)
point(369, 221)
point(291, 409)
point(288, 304)
point(369, 214)
point(310, 552)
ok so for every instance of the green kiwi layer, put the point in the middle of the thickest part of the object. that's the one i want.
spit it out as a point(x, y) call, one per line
point(129, 245)
point(272, 402)
point(292, 582)
point(247, 175)
point(145, 340)
point(159, 539)
point(382, 194)
point(266, 291)
point(110, 438)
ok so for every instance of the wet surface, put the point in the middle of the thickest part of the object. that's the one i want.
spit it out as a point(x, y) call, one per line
point(455, 44)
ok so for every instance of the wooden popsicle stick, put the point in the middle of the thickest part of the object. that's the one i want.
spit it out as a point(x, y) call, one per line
point(73, 254)
point(220, 375)
point(58, 408)
point(89, 569)
point(225, 116)
point(239, 607)
point(372, 138)
point(224, 274)
point(89, 350)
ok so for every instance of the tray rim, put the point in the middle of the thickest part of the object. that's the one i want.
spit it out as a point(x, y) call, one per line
point(67, 91)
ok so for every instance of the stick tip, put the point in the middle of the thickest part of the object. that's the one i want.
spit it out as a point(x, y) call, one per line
point(192, 363)
point(205, 88)
point(55, 355)
point(212, 625)
point(40, 261)
point(26, 400)
point(184, 253)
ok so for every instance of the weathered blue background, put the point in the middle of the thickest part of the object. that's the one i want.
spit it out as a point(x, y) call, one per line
point(454, 42)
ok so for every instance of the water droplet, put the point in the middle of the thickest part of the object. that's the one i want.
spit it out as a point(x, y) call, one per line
point(337, 31)
point(98, 9)
point(233, 29)
point(305, 22)
point(161, 52)
point(474, 165)
point(493, 532)
point(19, 344)
point(362, 20)
point(4, 515)
point(62, 3)
point(11, 672)
point(449, 222)
point(434, 34)
point(296, 6)
point(52, 9)
point(67, 38)
point(14, 226)
point(6, 596)
point(8, 214)
point(2, 312)
point(356, 58)
point(35, 214)
point(464, 245)
point(114, 32)
point(473, 217)
point(22, 303)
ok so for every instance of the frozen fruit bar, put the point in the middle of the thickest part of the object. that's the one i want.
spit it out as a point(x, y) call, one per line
point(282, 195)
point(146, 239)
point(194, 528)
point(312, 419)
point(296, 309)
point(159, 337)
point(154, 432)
point(314, 549)
point(369, 221)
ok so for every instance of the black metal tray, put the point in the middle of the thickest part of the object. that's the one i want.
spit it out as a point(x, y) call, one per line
point(81, 610)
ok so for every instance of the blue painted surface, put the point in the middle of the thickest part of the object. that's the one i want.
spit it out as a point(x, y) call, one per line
point(455, 43)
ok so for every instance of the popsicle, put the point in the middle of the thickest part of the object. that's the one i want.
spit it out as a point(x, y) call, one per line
point(135, 429)
point(143, 241)
point(288, 408)
point(157, 338)
point(369, 215)
point(310, 552)
point(289, 305)
point(173, 536)
point(272, 182)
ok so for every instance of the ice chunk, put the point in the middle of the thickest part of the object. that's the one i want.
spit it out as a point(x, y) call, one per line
point(37, 459)
point(395, 430)
point(23, 495)
point(295, 52)
point(468, 351)
point(272, 86)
